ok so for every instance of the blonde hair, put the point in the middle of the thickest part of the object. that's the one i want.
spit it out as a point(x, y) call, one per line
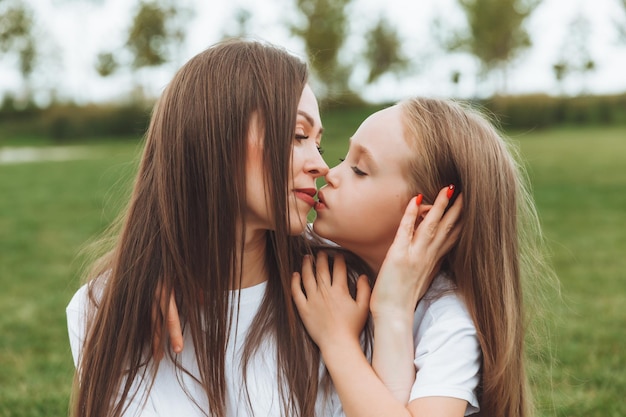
point(500, 249)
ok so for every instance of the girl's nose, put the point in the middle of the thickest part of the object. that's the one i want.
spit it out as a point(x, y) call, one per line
point(331, 177)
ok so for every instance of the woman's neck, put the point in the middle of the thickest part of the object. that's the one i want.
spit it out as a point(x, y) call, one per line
point(253, 260)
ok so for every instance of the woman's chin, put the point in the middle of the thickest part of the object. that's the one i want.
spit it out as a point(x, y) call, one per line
point(298, 225)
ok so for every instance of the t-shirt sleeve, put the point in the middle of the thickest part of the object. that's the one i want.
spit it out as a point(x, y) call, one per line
point(76, 313)
point(76, 321)
point(447, 354)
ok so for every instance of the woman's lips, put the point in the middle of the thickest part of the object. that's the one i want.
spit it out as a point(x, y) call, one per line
point(306, 194)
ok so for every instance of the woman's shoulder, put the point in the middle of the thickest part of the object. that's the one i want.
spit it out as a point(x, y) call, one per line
point(88, 293)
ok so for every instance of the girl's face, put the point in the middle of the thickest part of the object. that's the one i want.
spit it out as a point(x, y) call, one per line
point(306, 166)
point(366, 194)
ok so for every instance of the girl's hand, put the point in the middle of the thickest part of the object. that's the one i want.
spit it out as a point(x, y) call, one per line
point(328, 311)
point(425, 235)
point(167, 311)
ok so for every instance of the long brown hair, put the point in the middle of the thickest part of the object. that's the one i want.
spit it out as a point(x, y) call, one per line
point(500, 245)
point(182, 232)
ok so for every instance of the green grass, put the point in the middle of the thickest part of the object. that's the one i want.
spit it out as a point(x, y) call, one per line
point(49, 210)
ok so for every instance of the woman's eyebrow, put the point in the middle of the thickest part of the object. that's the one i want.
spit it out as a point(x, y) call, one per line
point(310, 119)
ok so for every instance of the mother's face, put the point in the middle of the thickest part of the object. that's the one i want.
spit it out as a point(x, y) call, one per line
point(307, 165)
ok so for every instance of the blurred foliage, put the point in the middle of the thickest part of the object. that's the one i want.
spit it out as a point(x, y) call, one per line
point(324, 31)
point(385, 50)
point(495, 32)
point(64, 122)
point(16, 34)
point(575, 53)
point(106, 64)
point(541, 111)
point(154, 37)
point(150, 34)
point(69, 122)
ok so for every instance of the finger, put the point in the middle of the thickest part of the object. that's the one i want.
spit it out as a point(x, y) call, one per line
point(406, 228)
point(450, 241)
point(363, 292)
point(296, 291)
point(308, 276)
point(340, 272)
point(449, 229)
point(432, 219)
point(454, 212)
point(322, 270)
point(173, 325)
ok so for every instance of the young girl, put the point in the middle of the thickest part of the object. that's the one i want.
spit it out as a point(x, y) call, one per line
point(461, 350)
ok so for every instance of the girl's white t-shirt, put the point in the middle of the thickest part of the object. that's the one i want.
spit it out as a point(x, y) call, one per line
point(447, 352)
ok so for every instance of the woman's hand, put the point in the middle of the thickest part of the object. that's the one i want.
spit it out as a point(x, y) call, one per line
point(425, 235)
point(328, 311)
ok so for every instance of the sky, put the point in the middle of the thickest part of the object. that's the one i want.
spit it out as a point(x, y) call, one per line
point(74, 31)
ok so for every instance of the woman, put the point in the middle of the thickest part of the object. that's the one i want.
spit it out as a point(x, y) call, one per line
point(461, 350)
point(226, 181)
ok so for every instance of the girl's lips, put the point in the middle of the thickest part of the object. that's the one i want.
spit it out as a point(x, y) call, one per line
point(321, 204)
point(306, 194)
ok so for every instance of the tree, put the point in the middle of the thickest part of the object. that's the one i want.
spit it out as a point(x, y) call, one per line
point(106, 64)
point(575, 53)
point(324, 31)
point(495, 32)
point(154, 34)
point(384, 53)
point(17, 37)
point(154, 39)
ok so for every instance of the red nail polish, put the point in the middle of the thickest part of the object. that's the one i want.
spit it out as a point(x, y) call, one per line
point(418, 200)
point(450, 191)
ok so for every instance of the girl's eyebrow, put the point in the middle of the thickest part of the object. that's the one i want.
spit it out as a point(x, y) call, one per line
point(363, 152)
point(310, 120)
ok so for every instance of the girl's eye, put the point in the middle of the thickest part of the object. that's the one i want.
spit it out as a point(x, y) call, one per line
point(301, 137)
point(342, 159)
point(320, 150)
point(357, 171)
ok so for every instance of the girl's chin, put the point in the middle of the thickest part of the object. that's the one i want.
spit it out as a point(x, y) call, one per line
point(320, 230)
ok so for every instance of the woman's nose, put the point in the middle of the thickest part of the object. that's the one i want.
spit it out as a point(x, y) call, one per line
point(316, 165)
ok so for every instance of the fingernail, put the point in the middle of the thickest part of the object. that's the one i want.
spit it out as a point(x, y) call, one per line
point(450, 191)
point(418, 200)
point(178, 349)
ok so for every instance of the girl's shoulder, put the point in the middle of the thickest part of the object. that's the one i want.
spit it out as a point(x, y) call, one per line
point(442, 303)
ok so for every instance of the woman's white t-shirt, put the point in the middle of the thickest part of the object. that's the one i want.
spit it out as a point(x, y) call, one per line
point(175, 393)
